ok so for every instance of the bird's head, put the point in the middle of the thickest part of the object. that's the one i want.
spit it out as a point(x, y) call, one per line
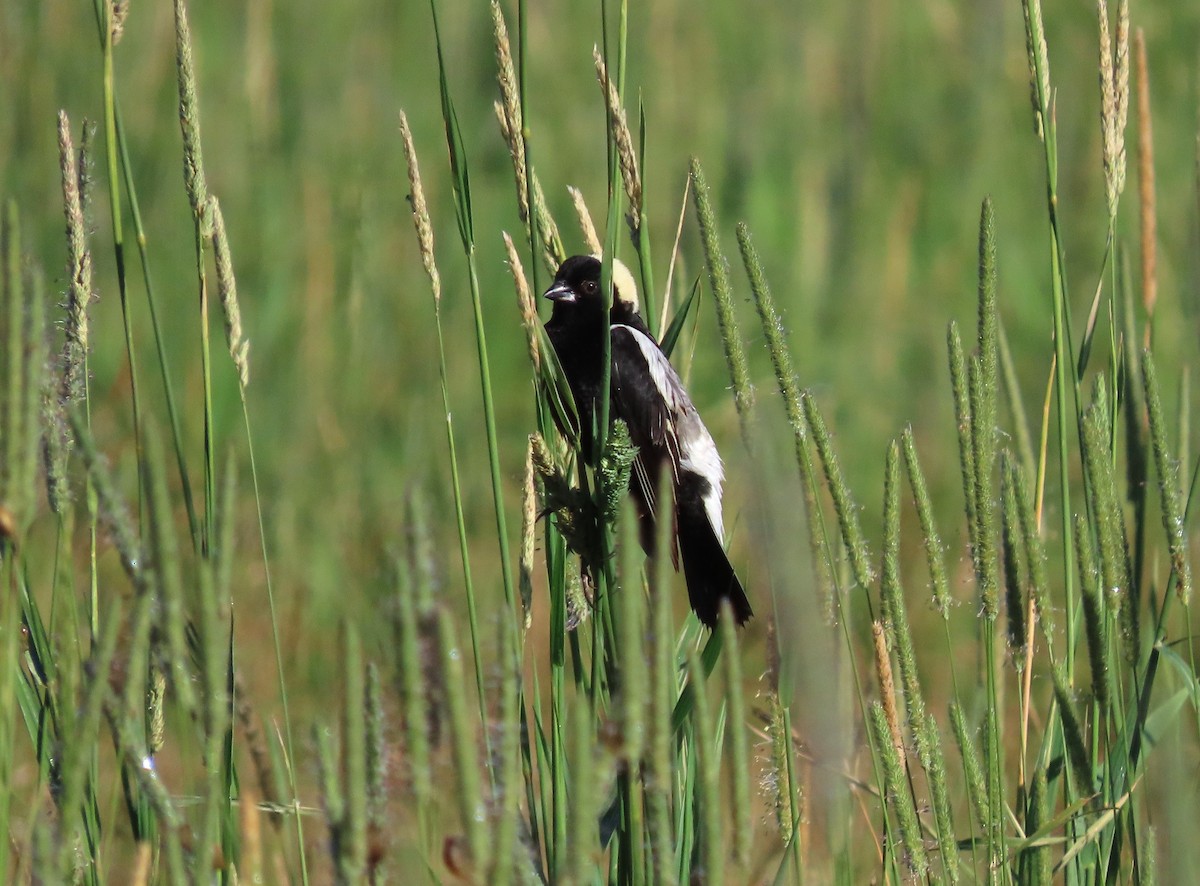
point(577, 283)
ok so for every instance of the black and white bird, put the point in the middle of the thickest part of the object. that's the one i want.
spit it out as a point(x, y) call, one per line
point(647, 394)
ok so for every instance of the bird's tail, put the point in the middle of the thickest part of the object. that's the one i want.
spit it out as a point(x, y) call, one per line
point(709, 574)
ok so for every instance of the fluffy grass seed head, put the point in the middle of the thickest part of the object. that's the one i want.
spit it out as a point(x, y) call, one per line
point(1114, 100)
point(1089, 585)
point(239, 347)
point(508, 111)
point(1173, 502)
point(512, 128)
point(120, 11)
point(1122, 68)
point(548, 234)
point(910, 847)
point(552, 248)
point(585, 221)
point(718, 278)
point(420, 210)
point(156, 714)
point(516, 150)
point(624, 141)
point(969, 753)
point(776, 784)
point(189, 121)
point(934, 548)
point(509, 107)
point(56, 445)
point(79, 267)
point(526, 302)
point(84, 168)
point(575, 511)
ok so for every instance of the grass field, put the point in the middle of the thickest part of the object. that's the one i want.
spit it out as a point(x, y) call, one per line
point(281, 626)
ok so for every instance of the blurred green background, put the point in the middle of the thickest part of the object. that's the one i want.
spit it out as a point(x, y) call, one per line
point(856, 139)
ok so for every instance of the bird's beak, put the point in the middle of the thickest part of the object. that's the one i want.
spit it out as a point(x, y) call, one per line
point(560, 292)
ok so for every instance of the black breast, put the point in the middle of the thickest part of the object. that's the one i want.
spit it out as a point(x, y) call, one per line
point(577, 342)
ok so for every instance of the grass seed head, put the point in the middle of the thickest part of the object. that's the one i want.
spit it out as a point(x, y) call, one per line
point(1039, 65)
point(506, 78)
point(120, 11)
point(239, 347)
point(189, 121)
point(526, 302)
point(56, 446)
point(623, 138)
point(1114, 100)
point(585, 221)
point(420, 210)
point(79, 266)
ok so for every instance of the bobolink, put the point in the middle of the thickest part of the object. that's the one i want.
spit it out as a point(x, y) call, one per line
point(646, 393)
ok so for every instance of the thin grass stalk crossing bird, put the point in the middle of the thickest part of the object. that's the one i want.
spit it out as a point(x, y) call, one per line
point(646, 393)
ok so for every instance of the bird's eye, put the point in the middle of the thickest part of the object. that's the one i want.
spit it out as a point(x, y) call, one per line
point(590, 287)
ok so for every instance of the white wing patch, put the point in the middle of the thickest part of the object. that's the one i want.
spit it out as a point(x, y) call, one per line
point(685, 432)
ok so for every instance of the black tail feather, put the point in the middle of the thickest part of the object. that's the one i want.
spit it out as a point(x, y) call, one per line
point(710, 576)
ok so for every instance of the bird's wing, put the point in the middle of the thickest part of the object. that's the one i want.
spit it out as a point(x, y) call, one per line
point(649, 396)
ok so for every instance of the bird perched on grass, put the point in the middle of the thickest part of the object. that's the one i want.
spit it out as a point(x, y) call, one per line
point(646, 393)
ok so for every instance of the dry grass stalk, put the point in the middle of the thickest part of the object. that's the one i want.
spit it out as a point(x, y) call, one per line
point(250, 830)
point(143, 860)
point(420, 211)
point(256, 746)
point(887, 686)
point(624, 141)
point(1146, 195)
point(585, 221)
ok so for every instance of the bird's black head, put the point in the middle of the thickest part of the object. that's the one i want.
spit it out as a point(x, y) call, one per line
point(577, 282)
point(577, 285)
